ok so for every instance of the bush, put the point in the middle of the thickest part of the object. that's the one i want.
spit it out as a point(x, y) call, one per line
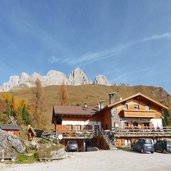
point(22, 158)
point(43, 141)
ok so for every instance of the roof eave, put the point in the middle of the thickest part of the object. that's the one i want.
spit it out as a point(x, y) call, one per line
point(138, 94)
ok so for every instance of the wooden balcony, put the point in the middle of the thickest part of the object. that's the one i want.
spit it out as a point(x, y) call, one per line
point(77, 135)
point(138, 114)
point(140, 133)
point(73, 134)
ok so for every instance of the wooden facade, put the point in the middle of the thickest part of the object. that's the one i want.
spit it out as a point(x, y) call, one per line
point(75, 118)
point(11, 129)
point(133, 117)
point(137, 113)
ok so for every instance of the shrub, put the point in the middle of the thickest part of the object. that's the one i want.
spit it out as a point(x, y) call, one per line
point(22, 158)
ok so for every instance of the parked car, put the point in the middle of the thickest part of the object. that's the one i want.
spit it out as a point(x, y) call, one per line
point(143, 145)
point(163, 146)
point(71, 146)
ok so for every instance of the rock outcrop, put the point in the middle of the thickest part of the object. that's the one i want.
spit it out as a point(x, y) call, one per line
point(53, 77)
point(101, 80)
point(10, 145)
point(78, 77)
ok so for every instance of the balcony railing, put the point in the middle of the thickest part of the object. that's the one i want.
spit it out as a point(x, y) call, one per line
point(76, 134)
point(139, 113)
point(165, 132)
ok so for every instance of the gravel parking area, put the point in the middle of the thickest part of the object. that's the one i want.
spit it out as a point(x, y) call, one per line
point(115, 160)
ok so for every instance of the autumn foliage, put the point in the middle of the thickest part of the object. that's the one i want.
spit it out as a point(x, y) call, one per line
point(63, 94)
point(11, 106)
point(38, 107)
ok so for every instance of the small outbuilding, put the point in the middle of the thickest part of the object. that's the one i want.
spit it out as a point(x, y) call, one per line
point(12, 129)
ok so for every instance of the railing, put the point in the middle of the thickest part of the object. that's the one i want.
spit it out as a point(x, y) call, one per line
point(165, 132)
point(109, 135)
point(76, 134)
point(108, 139)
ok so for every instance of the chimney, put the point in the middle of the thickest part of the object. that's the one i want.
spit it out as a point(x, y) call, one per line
point(101, 104)
point(111, 97)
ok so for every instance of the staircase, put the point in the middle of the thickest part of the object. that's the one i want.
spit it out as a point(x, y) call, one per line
point(108, 141)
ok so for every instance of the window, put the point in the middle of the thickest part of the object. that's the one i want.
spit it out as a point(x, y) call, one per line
point(135, 124)
point(58, 120)
point(70, 127)
point(147, 108)
point(78, 127)
point(88, 127)
point(126, 125)
point(136, 106)
point(146, 125)
point(125, 106)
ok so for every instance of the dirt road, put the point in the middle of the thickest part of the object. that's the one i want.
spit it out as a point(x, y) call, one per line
point(116, 160)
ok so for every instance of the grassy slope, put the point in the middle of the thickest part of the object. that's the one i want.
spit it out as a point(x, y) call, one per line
point(91, 94)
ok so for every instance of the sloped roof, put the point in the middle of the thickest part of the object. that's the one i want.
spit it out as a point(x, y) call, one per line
point(74, 110)
point(10, 127)
point(136, 95)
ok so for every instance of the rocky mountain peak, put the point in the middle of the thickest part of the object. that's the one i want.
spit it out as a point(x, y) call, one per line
point(53, 77)
point(101, 79)
point(78, 77)
point(56, 78)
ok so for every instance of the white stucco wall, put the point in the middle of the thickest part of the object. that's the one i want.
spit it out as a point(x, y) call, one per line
point(157, 123)
point(81, 123)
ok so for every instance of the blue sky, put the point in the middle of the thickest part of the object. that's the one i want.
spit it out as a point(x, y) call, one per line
point(126, 40)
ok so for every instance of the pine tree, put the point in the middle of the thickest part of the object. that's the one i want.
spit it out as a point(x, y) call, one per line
point(9, 109)
point(25, 115)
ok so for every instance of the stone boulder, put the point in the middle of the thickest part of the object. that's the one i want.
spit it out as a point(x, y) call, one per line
point(59, 154)
point(10, 145)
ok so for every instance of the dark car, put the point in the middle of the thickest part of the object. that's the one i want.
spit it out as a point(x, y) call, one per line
point(163, 146)
point(143, 145)
point(72, 146)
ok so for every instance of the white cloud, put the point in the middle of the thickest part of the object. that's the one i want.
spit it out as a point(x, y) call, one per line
point(53, 59)
point(93, 57)
point(96, 56)
point(166, 35)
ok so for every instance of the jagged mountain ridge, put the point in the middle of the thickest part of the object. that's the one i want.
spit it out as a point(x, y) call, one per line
point(53, 77)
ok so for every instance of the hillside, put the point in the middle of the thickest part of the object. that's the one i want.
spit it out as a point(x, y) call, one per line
point(90, 94)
